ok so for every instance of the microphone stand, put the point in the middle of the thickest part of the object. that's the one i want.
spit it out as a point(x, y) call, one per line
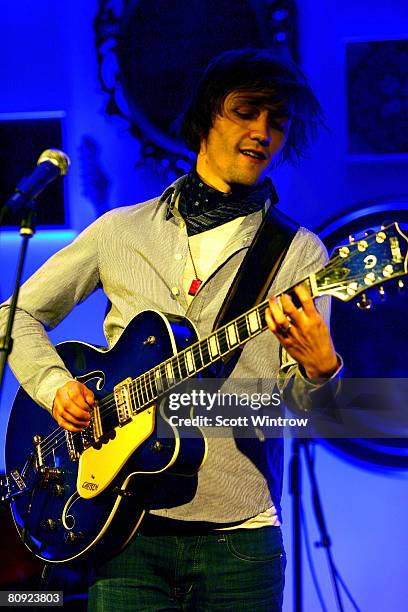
point(325, 541)
point(295, 475)
point(27, 229)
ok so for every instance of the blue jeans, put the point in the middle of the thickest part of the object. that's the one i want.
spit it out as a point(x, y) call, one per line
point(240, 570)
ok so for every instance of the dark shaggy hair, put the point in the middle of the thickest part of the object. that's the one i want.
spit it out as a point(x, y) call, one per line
point(275, 81)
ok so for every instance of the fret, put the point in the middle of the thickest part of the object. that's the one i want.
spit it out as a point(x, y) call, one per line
point(143, 391)
point(169, 371)
point(158, 380)
point(205, 353)
point(232, 335)
point(242, 329)
point(310, 283)
point(151, 388)
point(198, 360)
point(176, 368)
point(164, 377)
point(189, 359)
point(262, 310)
point(222, 340)
point(253, 321)
point(213, 346)
point(153, 383)
point(182, 367)
point(138, 393)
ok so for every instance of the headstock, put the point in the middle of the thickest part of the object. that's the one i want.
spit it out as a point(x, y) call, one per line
point(362, 264)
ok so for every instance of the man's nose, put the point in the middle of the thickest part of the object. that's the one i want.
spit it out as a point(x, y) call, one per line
point(260, 129)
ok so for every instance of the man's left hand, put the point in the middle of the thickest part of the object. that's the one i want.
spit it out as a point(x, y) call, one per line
point(303, 333)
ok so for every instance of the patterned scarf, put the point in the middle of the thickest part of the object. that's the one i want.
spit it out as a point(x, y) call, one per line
point(204, 208)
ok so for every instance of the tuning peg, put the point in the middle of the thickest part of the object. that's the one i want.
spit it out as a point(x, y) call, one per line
point(351, 239)
point(382, 293)
point(380, 237)
point(401, 286)
point(364, 303)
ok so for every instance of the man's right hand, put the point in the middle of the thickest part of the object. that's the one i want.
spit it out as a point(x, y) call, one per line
point(72, 404)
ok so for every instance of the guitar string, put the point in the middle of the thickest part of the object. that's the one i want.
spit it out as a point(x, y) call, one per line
point(149, 376)
point(330, 265)
point(108, 403)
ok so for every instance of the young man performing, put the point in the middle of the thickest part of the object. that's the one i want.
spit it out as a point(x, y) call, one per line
point(221, 550)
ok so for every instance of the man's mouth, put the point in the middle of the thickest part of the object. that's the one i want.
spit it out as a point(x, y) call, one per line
point(255, 154)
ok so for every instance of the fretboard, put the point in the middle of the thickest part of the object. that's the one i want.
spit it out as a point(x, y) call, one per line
point(155, 383)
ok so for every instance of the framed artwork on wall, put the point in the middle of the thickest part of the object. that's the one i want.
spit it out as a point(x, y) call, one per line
point(377, 98)
point(150, 56)
point(24, 136)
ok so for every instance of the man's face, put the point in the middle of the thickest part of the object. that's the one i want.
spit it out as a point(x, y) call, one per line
point(242, 142)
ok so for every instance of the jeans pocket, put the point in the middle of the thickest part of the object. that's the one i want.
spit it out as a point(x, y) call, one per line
point(257, 545)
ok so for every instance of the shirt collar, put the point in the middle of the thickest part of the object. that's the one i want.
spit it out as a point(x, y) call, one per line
point(169, 196)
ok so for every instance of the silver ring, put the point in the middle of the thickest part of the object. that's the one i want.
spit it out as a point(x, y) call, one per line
point(284, 331)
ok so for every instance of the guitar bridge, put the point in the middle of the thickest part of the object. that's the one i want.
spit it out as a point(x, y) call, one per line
point(123, 401)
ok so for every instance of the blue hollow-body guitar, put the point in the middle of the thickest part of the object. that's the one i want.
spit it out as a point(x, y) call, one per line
point(83, 493)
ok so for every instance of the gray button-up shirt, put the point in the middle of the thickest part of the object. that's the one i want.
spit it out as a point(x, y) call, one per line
point(130, 253)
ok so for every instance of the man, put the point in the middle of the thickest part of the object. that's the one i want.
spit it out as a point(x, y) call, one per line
point(221, 550)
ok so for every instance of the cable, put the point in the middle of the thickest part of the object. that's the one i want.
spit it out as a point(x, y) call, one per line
point(332, 566)
point(347, 592)
point(310, 560)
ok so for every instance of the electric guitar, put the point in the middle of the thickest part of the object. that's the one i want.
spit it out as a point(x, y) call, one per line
point(87, 492)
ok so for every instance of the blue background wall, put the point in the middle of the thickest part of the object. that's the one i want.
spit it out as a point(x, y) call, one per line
point(48, 63)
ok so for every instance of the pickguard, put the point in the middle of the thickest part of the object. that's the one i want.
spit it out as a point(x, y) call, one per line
point(98, 466)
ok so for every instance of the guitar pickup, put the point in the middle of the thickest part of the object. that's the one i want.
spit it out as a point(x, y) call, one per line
point(73, 452)
point(123, 401)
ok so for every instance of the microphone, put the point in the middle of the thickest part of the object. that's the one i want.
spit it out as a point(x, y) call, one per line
point(51, 164)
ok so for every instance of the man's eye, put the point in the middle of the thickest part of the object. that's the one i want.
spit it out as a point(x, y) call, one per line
point(245, 114)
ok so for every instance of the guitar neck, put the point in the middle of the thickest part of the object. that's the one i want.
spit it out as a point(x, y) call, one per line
point(219, 344)
point(377, 258)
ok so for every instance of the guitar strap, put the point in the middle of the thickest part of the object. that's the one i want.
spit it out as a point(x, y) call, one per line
point(258, 268)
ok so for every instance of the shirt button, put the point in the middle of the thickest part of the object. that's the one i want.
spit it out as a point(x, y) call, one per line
point(178, 256)
point(175, 290)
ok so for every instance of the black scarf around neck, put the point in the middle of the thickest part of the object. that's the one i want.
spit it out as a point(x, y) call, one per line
point(204, 208)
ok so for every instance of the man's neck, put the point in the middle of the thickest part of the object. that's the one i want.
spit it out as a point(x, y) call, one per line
point(213, 182)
